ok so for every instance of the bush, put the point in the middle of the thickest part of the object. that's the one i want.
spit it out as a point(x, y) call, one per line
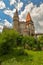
point(40, 42)
point(19, 40)
point(28, 42)
point(22, 52)
point(8, 41)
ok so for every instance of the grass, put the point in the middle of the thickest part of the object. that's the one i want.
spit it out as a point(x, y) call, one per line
point(33, 58)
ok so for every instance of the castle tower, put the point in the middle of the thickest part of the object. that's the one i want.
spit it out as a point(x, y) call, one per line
point(30, 25)
point(16, 21)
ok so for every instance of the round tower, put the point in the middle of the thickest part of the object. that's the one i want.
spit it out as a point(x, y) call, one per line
point(16, 21)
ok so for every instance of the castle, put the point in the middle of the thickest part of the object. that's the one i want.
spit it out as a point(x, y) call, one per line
point(24, 28)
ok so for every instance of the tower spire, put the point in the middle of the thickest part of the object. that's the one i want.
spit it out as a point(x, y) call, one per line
point(28, 18)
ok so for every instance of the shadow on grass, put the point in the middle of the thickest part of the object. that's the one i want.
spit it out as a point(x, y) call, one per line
point(17, 54)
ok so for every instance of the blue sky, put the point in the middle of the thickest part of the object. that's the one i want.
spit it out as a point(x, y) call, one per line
point(7, 6)
point(36, 2)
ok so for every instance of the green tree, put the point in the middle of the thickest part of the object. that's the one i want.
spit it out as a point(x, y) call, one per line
point(8, 40)
point(19, 40)
point(40, 42)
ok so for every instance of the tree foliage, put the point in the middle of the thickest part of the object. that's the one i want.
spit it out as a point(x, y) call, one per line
point(10, 39)
point(7, 41)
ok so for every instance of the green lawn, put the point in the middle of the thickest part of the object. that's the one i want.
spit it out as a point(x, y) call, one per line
point(33, 58)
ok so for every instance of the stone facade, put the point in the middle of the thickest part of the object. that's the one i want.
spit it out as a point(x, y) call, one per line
point(24, 28)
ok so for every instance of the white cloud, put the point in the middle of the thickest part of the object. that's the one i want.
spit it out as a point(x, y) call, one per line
point(9, 12)
point(36, 15)
point(1, 28)
point(20, 5)
point(2, 5)
point(17, 5)
point(12, 2)
point(7, 24)
point(41, 23)
point(26, 10)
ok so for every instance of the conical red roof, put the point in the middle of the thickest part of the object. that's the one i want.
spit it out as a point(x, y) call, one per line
point(28, 18)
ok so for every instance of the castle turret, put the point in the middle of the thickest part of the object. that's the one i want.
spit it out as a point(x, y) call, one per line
point(16, 21)
point(30, 25)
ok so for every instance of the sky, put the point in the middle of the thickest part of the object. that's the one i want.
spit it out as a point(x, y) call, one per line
point(34, 7)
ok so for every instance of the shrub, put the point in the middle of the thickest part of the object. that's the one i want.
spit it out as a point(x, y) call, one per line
point(22, 52)
point(40, 42)
point(29, 42)
point(8, 41)
point(19, 40)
